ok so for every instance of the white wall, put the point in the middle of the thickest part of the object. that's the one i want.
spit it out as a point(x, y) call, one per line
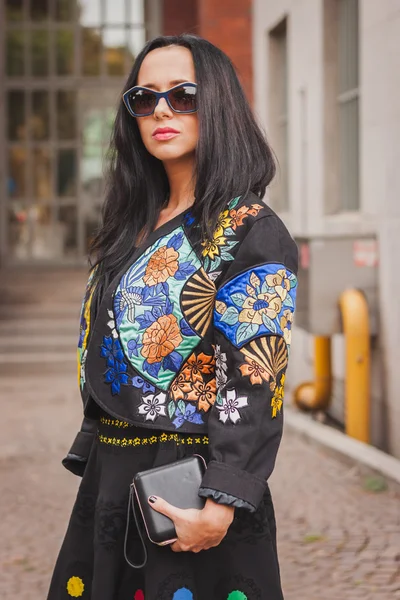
point(379, 167)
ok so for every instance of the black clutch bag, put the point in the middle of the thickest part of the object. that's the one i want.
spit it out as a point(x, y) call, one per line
point(178, 483)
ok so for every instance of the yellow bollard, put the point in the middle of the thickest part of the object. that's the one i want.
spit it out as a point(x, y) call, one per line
point(355, 318)
point(316, 395)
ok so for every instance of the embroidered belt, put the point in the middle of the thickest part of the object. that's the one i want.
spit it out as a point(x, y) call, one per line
point(120, 433)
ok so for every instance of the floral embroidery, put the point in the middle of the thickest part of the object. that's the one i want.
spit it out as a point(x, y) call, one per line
point(75, 587)
point(160, 339)
point(228, 406)
point(242, 213)
point(195, 366)
point(152, 406)
point(154, 333)
point(219, 247)
point(162, 265)
point(84, 328)
point(111, 324)
point(286, 325)
point(277, 398)
point(115, 423)
point(265, 358)
point(163, 438)
point(190, 384)
point(139, 382)
point(254, 303)
point(203, 394)
point(221, 367)
point(186, 412)
point(116, 373)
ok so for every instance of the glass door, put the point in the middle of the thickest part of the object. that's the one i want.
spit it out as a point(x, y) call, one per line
point(65, 63)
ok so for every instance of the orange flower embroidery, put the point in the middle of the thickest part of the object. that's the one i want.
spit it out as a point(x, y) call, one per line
point(242, 213)
point(161, 338)
point(203, 393)
point(179, 387)
point(255, 371)
point(197, 365)
point(163, 264)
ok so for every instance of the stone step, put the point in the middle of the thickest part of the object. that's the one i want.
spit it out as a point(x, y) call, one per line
point(35, 326)
point(53, 310)
point(47, 342)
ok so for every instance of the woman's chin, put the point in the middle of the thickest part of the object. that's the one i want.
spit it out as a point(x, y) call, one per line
point(166, 153)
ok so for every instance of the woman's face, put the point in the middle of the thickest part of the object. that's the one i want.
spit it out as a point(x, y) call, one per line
point(162, 69)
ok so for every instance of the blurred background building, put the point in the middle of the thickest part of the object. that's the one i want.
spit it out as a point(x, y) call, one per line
point(323, 77)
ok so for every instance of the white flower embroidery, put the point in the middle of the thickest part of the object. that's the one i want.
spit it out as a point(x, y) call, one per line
point(111, 324)
point(221, 378)
point(220, 358)
point(229, 407)
point(153, 405)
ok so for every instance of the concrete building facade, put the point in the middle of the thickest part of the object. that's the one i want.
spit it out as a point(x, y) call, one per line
point(327, 91)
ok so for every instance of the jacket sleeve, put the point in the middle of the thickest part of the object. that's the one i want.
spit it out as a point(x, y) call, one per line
point(253, 315)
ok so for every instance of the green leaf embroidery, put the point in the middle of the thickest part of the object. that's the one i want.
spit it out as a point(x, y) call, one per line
point(182, 406)
point(234, 202)
point(230, 316)
point(239, 299)
point(288, 302)
point(246, 331)
point(269, 324)
point(229, 231)
point(171, 409)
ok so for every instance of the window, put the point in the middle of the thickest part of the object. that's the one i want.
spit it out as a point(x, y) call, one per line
point(65, 64)
point(341, 41)
point(278, 113)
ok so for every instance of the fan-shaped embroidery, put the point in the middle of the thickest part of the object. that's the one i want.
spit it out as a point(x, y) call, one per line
point(198, 298)
point(266, 357)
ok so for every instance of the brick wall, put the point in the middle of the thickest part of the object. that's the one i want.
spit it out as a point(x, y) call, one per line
point(225, 23)
point(180, 16)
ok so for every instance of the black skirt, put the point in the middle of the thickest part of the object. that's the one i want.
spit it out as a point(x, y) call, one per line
point(91, 563)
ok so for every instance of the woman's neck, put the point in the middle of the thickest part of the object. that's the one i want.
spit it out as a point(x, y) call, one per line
point(181, 185)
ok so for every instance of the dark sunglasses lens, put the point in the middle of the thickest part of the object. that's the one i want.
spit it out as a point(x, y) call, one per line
point(142, 102)
point(183, 98)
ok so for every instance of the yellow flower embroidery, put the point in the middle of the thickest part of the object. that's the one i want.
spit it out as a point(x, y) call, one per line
point(75, 587)
point(258, 305)
point(280, 281)
point(286, 325)
point(277, 398)
point(211, 247)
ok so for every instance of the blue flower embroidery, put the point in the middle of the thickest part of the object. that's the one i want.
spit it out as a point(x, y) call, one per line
point(186, 412)
point(116, 373)
point(260, 301)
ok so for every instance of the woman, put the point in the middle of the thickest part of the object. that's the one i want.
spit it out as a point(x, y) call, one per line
point(184, 341)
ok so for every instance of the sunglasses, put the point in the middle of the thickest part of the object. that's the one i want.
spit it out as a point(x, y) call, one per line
point(141, 101)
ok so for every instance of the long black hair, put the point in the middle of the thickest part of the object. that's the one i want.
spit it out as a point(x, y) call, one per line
point(232, 157)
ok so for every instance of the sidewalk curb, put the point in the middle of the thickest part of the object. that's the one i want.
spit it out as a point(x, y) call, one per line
point(348, 448)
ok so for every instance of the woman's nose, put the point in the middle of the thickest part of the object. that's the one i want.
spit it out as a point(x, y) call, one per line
point(162, 108)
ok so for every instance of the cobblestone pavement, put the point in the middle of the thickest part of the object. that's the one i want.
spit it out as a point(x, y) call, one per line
point(337, 541)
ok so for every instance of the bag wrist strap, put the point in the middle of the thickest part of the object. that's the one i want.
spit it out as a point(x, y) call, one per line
point(131, 503)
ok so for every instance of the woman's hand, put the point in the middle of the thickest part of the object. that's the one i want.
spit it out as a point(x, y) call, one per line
point(196, 529)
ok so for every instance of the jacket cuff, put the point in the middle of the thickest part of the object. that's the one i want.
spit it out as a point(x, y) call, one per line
point(222, 498)
point(78, 455)
point(234, 482)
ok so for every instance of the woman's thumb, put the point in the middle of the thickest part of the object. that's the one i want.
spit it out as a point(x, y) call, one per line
point(162, 506)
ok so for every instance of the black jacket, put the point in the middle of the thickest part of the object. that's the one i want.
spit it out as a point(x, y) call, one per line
point(194, 336)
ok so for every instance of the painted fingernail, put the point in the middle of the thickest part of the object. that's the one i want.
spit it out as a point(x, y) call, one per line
point(152, 499)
